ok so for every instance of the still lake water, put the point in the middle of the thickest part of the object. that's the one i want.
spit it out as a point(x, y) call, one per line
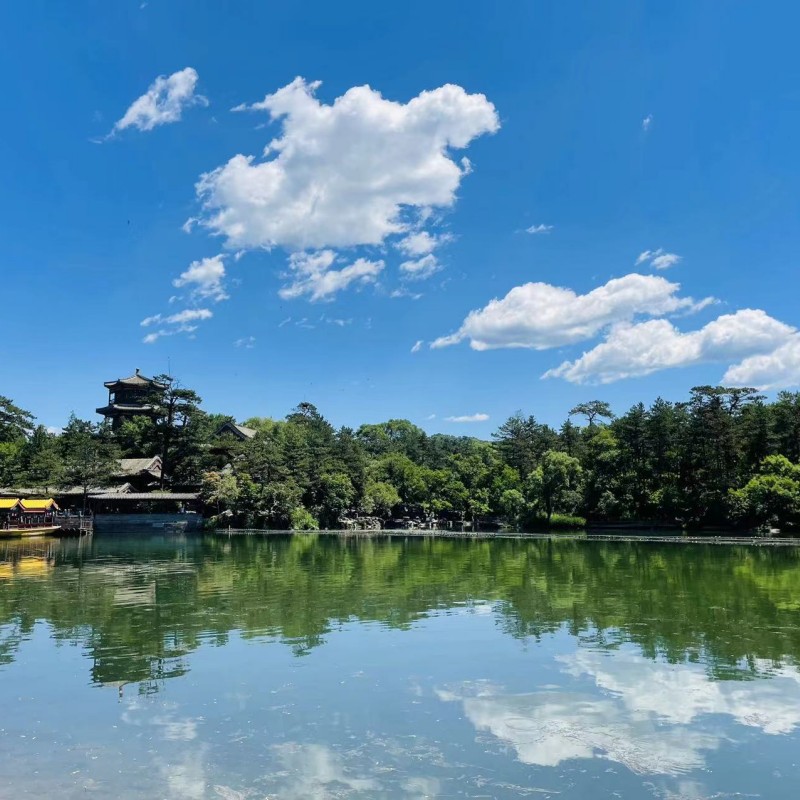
point(318, 667)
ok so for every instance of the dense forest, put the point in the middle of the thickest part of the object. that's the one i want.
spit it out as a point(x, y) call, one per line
point(724, 457)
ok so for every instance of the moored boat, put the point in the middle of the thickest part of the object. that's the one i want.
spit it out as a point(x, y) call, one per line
point(28, 517)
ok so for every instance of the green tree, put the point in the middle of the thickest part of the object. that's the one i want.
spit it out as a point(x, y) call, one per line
point(521, 441)
point(88, 455)
point(380, 498)
point(513, 506)
point(40, 461)
point(303, 520)
point(336, 496)
point(593, 410)
point(770, 498)
point(553, 485)
point(16, 424)
point(220, 489)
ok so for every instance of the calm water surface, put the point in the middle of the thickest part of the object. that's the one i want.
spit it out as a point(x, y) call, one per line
point(316, 667)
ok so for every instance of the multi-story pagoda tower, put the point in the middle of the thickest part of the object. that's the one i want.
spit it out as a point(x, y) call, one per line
point(130, 397)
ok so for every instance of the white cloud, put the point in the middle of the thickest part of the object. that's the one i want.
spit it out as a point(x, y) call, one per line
point(646, 255)
point(658, 259)
point(468, 418)
point(312, 276)
point(541, 228)
point(163, 102)
point(417, 346)
point(665, 261)
point(647, 122)
point(778, 369)
point(187, 315)
point(206, 277)
point(421, 243)
point(339, 322)
point(421, 268)
point(632, 350)
point(404, 292)
point(541, 316)
point(346, 174)
point(180, 322)
point(248, 342)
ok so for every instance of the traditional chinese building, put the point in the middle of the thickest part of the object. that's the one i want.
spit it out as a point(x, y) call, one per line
point(130, 397)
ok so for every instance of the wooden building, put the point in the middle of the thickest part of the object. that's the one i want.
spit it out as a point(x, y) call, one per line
point(238, 432)
point(131, 397)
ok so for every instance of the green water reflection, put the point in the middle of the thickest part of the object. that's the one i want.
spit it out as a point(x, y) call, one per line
point(524, 655)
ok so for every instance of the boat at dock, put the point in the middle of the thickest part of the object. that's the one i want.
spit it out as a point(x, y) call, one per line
point(37, 517)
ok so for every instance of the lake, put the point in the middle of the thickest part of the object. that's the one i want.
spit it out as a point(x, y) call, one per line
point(325, 667)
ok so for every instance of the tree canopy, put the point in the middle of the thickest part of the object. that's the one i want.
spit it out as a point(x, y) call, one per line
point(725, 456)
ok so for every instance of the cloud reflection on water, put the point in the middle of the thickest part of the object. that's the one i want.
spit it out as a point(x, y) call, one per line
point(651, 717)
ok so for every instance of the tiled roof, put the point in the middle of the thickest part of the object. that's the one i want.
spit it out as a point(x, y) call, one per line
point(137, 379)
point(135, 466)
point(240, 431)
point(154, 496)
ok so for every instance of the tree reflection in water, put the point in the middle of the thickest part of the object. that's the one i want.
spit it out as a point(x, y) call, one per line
point(140, 608)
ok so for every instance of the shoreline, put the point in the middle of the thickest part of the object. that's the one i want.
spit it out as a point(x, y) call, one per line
point(588, 536)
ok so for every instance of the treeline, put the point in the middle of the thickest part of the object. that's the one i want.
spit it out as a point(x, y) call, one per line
point(725, 457)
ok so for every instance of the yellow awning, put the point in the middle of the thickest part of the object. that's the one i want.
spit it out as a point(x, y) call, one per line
point(7, 503)
point(39, 505)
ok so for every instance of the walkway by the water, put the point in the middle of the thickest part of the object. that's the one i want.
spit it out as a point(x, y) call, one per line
point(608, 536)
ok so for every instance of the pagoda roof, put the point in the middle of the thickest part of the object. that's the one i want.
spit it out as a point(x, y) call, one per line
point(137, 381)
point(124, 408)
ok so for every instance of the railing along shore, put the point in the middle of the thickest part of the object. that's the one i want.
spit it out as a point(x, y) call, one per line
point(420, 533)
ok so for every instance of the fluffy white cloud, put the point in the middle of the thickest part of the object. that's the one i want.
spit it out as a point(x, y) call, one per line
point(248, 342)
point(421, 243)
point(421, 268)
point(647, 122)
point(417, 346)
point(311, 275)
point(205, 277)
point(468, 418)
point(658, 258)
point(534, 229)
point(776, 370)
point(344, 174)
point(541, 316)
point(181, 322)
point(640, 349)
point(163, 102)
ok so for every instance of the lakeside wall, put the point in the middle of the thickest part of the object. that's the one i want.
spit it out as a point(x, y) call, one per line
point(140, 523)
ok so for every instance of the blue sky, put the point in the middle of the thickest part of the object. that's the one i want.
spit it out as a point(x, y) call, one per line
point(311, 271)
